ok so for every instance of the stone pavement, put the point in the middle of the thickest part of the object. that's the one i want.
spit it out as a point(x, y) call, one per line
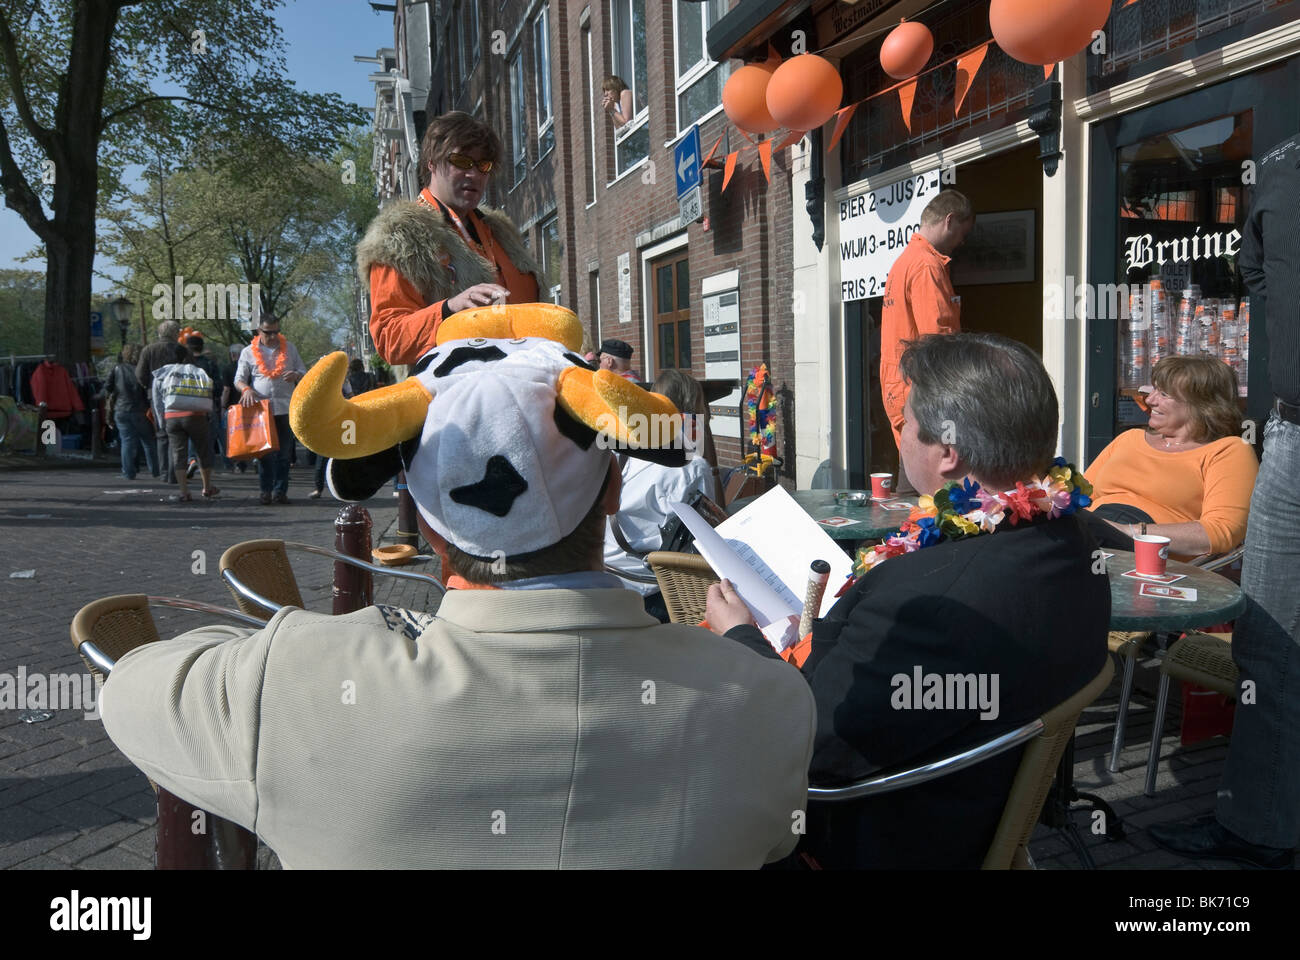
point(69, 799)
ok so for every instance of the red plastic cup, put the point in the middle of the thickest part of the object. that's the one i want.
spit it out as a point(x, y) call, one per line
point(881, 485)
point(1151, 552)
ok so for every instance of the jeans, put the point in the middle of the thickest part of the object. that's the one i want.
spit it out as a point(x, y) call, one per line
point(164, 453)
point(135, 432)
point(318, 472)
point(273, 468)
point(1259, 796)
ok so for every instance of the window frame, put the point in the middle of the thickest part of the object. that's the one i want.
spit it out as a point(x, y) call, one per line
point(697, 71)
point(543, 250)
point(518, 116)
point(541, 30)
point(641, 118)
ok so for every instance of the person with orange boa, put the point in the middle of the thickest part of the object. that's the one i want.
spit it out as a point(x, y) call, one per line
point(268, 369)
point(426, 259)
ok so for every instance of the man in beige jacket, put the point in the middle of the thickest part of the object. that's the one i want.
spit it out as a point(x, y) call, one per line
point(548, 722)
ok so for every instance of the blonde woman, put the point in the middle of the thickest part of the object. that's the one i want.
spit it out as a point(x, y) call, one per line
point(617, 100)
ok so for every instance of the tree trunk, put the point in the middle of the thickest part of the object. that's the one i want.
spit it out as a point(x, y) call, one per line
point(70, 258)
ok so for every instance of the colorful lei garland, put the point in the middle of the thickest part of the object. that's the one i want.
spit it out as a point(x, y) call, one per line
point(278, 370)
point(962, 510)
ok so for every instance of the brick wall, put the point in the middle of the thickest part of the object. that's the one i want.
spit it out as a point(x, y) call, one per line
point(749, 225)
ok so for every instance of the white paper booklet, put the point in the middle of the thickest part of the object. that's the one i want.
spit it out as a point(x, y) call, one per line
point(766, 550)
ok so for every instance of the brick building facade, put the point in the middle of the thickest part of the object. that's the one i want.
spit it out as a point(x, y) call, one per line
point(599, 206)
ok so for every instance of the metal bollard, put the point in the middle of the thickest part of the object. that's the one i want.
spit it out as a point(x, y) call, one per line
point(185, 841)
point(408, 532)
point(353, 587)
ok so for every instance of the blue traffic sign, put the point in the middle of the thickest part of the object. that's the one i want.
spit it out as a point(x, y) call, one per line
point(686, 162)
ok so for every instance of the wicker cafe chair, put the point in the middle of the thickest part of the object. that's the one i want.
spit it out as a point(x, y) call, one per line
point(105, 630)
point(1204, 659)
point(684, 580)
point(1129, 646)
point(260, 578)
point(1046, 737)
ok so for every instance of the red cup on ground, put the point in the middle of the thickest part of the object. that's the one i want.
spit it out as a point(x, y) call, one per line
point(882, 485)
point(1152, 552)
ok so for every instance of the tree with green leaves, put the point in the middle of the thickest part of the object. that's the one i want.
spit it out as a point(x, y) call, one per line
point(293, 235)
point(88, 88)
point(22, 311)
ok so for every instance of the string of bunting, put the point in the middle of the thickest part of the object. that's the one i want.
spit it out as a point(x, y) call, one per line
point(968, 65)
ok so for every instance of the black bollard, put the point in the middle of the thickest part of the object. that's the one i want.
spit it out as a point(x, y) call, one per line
point(353, 587)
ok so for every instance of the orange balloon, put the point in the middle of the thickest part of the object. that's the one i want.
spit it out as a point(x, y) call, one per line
point(744, 98)
point(804, 92)
point(1045, 31)
point(906, 50)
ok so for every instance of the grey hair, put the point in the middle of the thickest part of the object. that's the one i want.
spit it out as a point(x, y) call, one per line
point(990, 397)
point(169, 330)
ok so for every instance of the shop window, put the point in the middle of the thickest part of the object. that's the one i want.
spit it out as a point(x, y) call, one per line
point(542, 77)
point(699, 79)
point(1182, 208)
point(628, 48)
point(1141, 31)
point(518, 117)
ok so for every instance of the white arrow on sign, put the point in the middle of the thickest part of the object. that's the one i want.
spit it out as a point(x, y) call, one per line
point(685, 164)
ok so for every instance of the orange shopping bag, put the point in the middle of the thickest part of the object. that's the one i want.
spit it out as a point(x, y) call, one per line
point(250, 431)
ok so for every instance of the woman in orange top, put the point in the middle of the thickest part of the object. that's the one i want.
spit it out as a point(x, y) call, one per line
point(427, 259)
point(1190, 474)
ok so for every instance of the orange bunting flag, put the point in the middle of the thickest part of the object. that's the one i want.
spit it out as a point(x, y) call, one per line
point(906, 96)
point(765, 158)
point(1047, 70)
point(794, 137)
point(968, 65)
point(1129, 4)
point(709, 156)
point(842, 118)
point(730, 168)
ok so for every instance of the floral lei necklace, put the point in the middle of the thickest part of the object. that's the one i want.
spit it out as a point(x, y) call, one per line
point(961, 510)
point(278, 370)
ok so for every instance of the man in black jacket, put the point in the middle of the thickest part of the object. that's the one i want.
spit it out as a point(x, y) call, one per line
point(943, 648)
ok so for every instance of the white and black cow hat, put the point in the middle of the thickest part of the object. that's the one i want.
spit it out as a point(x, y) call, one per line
point(511, 448)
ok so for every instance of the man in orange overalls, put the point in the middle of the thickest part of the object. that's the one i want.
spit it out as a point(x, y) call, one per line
point(919, 298)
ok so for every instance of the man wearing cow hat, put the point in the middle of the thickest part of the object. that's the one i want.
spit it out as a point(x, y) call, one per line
point(547, 723)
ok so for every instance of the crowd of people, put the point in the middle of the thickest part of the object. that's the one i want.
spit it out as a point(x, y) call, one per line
point(549, 716)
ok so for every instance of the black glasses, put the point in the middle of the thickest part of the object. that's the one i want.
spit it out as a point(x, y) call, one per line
point(462, 162)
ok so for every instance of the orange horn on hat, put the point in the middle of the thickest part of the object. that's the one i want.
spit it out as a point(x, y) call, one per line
point(619, 409)
point(331, 425)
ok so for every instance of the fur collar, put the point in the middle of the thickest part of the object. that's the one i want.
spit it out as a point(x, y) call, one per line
point(418, 243)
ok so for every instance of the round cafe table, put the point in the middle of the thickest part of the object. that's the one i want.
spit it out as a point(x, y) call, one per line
point(871, 521)
point(1218, 599)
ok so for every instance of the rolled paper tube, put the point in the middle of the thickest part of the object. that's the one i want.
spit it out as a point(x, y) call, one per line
point(818, 574)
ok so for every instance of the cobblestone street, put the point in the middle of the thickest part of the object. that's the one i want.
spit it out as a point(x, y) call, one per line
point(69, 799)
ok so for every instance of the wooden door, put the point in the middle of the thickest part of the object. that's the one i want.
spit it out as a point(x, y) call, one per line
point(672, 313)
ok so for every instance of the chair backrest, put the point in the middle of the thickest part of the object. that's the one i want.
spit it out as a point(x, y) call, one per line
point(114, 625)
point(262, 565)
point(1037, 769)
point(684, 580)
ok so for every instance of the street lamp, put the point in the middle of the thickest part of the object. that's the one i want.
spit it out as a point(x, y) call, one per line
point(121, 310)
